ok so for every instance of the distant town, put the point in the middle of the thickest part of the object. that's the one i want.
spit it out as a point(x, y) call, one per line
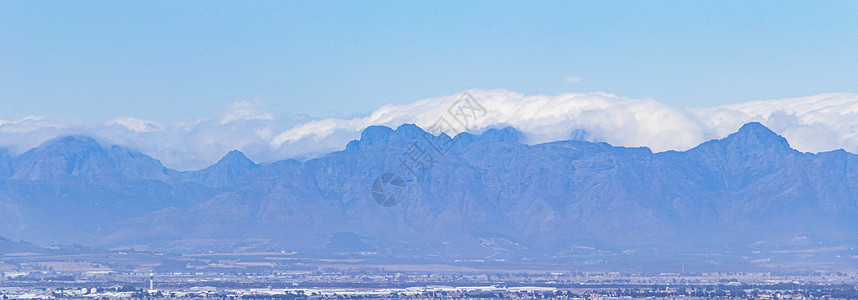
point(123, 275)
point(413, 285)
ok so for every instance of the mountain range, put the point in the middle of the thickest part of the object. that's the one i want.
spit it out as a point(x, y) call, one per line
point(485, 196)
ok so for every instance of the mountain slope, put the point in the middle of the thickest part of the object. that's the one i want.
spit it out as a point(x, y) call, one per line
point(228, 171)
point(486, 196)
point(492, 195)
point(83, 157)
point(70, 189)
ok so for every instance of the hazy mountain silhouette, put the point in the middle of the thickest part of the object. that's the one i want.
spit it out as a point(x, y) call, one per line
point(489, 195)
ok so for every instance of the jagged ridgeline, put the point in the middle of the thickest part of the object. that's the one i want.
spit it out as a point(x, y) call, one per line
point(489, 195)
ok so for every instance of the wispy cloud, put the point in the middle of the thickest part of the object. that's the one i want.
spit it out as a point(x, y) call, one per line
point(245, 110)
point(194, 144)
point(135, 124)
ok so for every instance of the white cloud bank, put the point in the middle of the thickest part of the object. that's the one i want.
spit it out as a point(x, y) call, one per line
point(816, 123)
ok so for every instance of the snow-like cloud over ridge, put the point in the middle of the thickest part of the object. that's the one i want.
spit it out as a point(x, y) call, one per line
point(815, 123)
point(602, 116)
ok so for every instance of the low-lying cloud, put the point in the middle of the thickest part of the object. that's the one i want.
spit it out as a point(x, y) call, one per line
point(813, 124)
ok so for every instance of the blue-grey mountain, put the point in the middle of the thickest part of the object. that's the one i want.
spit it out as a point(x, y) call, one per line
point(488, 196)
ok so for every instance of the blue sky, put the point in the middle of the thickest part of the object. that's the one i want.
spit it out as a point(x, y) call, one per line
point(171, 60)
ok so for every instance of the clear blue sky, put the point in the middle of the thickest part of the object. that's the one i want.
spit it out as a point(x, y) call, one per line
point(179, 60)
